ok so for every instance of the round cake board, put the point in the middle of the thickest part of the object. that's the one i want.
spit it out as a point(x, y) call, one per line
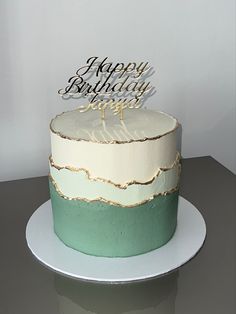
point(49, 250)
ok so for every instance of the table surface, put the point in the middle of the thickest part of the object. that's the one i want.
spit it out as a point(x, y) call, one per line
point(205, 285)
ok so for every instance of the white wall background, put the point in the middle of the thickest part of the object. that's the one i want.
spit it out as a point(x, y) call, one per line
point(190, 43)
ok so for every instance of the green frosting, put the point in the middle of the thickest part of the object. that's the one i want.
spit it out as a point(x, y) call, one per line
point(101, 229)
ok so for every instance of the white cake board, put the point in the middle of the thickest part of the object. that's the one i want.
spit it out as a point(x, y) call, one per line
point(48, 249)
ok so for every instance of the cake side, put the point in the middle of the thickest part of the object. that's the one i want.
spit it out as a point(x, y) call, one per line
point(148, 144)
point(101, 229)
point(77, 185)
point(123, 192)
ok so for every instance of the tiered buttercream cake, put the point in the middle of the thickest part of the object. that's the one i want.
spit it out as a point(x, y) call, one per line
point(114, 183)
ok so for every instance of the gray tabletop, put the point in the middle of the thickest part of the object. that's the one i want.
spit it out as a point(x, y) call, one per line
point(205, 285)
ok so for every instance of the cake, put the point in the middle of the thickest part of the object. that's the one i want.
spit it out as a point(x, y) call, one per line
point(114, 183)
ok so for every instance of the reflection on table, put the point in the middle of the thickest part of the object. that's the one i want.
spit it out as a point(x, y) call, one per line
point(147, 297)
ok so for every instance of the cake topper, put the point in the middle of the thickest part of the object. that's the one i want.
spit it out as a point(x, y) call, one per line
point(116, 87)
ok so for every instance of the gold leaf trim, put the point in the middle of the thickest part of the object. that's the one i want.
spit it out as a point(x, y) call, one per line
point(114, 141)
point(120, 186)
point(101, 199)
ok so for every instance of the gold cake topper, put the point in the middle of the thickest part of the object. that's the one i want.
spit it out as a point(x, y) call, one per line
point(116, 87)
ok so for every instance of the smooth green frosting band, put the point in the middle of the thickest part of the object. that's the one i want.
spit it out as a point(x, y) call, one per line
point(100, 229)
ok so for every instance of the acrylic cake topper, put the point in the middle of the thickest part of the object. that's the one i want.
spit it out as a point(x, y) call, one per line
point(109, 86)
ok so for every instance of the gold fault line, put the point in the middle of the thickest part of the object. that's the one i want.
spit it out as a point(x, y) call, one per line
point(120, 186)
point(101, 199)
point(114, 141)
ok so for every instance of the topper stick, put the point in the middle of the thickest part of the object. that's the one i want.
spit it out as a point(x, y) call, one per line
point(121, 114)
point(103, 114)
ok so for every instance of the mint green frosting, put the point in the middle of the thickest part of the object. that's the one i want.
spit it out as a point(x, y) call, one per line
point(101, 229)
point(73, 184)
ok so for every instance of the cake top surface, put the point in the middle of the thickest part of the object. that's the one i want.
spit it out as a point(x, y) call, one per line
point(137, 125)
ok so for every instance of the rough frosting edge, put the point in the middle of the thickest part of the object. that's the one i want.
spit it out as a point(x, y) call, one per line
point(120, 186)
point(100, 199)
point(115, 141)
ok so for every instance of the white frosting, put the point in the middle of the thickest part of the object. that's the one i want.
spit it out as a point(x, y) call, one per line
point(138, 124)
point(120, 163)
point(74, 184)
